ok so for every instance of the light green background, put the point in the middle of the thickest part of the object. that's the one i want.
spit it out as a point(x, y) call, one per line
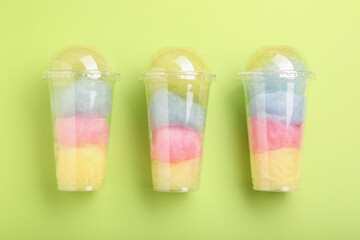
point(226, 32)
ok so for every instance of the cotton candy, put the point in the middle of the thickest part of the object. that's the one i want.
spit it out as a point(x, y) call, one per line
point(285, 107)
point(81, 168)
point(181, 177)
point(269, 134)
point(175, 144)
point(82, 130)
point(282, 74)
point(277, 170)
point(84, 96)
point(169, 109)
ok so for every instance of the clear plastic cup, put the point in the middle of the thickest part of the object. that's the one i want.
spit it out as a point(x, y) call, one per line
point(275, 84)
point(177, 90)
point(81, 86)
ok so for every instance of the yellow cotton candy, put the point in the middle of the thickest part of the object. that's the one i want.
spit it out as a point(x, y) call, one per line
point(81, 168)
point(277, 170)
point(179, 177)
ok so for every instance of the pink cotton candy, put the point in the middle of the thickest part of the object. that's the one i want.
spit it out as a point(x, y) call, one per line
point(175, 144)
point(81, 130)
point(268, 134)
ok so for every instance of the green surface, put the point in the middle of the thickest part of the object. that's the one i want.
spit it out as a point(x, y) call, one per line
point(226, 33)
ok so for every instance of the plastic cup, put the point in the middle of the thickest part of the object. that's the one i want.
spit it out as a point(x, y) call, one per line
point(177, 90)
point(81, 88)
point(275, 84)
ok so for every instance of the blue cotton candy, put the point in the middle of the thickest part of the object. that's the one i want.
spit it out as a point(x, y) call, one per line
point(274, 85)
point(170, 109)
point(84, 96)
point(264, 84)
point(282, 106)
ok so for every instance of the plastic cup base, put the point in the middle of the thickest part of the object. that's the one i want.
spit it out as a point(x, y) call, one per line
point(77, 189)
point(284, 188)
point(167, 189)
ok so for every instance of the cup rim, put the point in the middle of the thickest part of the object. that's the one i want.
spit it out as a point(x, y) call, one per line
point(70, 74)
point(289, 75)
point(178, 75)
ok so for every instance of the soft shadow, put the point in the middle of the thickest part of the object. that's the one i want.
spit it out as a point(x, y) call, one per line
point(157, 200)
point(241, 144)
point(137, 101)
point(41, 120)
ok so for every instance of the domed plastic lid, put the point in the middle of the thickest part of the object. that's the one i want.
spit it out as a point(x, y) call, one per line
point(178, 63)
point(276, 62)
point(80, 62)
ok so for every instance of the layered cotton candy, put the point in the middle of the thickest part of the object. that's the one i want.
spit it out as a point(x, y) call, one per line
point(169, 109)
